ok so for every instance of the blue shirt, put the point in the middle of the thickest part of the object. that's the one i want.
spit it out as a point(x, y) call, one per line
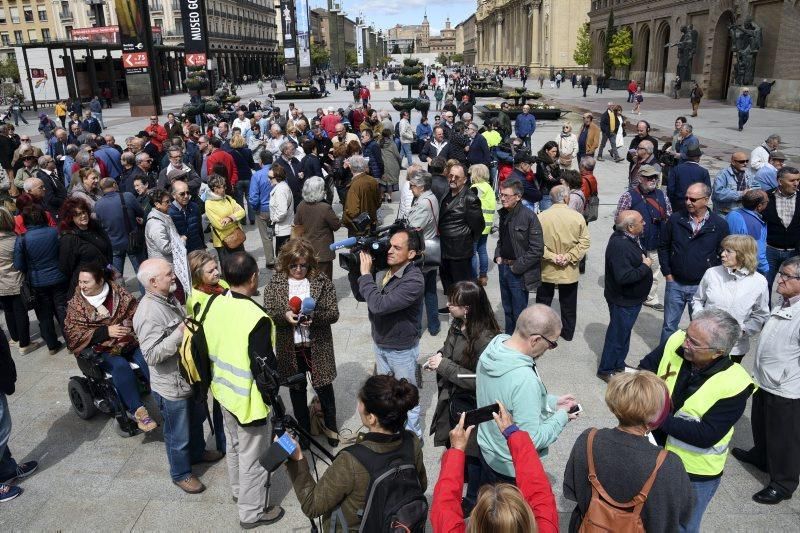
point(766, 178)
point(260, 187)
point(746, 222)
point(744, 103)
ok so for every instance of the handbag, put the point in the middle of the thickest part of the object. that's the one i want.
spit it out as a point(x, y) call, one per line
point(26, 292)
point(135, 235)
point(234, 239)
point(432, 255)
point(460, 402)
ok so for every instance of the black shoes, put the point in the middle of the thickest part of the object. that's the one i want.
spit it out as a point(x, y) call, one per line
point(745, 457)
point(769, 496)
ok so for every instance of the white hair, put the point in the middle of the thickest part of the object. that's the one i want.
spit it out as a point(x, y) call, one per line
point(313, 190)
point(357, 163)
point(149, 269)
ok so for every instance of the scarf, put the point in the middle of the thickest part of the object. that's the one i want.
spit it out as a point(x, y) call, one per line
point(97, 300)
point(211, 289)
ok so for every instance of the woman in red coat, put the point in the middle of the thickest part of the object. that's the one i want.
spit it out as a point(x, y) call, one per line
point(531, 500)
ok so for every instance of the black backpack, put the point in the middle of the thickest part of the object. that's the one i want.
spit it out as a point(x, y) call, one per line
point(395, 500)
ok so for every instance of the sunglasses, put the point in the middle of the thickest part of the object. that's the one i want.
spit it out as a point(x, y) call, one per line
point(184, 193)
point(299, 266)
point(552, 344)
point(693, 200)
point(741, 161)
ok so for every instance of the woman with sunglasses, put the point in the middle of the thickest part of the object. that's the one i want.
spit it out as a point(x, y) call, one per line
point(304, 339)
point(472, 328)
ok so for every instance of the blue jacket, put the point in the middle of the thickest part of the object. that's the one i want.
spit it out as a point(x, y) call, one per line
point(685, 256)
point(525, 124)
point(655, 221)
point(479, 151)
point(108, 209)
point(92, 125)
point(766, 178)
point(685, 144)
point(746, 222)
point(373, 151)
point(726, 197)
point(95, 106)
point(424, 131)
point(111, 158)
point(744, 103)
point(260, 187)
point(189, 223)
point(39, 261)
point(680, 178)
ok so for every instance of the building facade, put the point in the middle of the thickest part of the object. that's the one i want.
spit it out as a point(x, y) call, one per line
point(336, 32)
point(409, 37)
point(655, 24)
point(539, 34)
point(445, 42)
point(466, 40)
point(31, 21)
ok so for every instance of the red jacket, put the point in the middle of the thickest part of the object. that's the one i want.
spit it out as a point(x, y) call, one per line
point(446, 513)
point(19, 225)
point(632, 87)
point(364, 93)
point(329, 123)
point(157, 134)
point(588, 184)
point(221, 156)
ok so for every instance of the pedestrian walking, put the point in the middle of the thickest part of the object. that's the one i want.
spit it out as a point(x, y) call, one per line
point(743, 105)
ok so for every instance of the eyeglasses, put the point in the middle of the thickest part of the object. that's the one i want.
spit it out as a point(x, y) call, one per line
point(784, 275)
point(741, 161)
point(77, 214)
point(696, 346)
point(147, 160)
point(183, 193)
point(299, 266)
point(552, 344)
point(508, 196)
point(693, 200)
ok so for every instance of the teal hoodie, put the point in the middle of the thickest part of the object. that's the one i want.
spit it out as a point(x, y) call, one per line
point(510, 376)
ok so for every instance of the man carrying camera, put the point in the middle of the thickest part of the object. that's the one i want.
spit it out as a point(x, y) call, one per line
point(364, 196)
point(394, 301)
point(239, 335)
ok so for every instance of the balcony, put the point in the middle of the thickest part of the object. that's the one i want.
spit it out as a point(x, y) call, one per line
point(156, 7)
point(66, 16)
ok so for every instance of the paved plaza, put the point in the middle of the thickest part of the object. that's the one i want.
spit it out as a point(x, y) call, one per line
point(91, 479)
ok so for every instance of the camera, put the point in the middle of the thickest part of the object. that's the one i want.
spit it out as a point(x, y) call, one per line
point(375, 243)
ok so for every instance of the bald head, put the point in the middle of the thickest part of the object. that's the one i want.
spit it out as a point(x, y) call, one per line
point(628, 220)
point(538, 319)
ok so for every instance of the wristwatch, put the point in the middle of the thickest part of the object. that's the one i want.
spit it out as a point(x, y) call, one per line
point(510, 430)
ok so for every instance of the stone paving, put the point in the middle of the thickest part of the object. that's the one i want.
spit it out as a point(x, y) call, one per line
point(92, 479)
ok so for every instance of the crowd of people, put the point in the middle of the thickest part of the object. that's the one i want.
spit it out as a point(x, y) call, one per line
point(74, 212)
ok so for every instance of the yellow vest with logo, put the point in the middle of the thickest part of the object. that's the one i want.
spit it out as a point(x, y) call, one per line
point(227, 327)
point(725, 384)
point(488, 204)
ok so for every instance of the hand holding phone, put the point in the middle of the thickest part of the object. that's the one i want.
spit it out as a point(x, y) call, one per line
point(574, 411)
point(480, 415)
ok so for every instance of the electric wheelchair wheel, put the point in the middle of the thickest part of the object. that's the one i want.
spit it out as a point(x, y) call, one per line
point(81, 398)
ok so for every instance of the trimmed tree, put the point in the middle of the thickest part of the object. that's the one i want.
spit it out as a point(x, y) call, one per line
point(442, 59)
point(320, 56)
point(583, 48)
point(396, 48)
point(619, 53)
point(607, 66)
point(457, 58)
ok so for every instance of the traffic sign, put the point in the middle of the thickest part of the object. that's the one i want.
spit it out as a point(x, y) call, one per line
point(195, 60)
point(135, 60)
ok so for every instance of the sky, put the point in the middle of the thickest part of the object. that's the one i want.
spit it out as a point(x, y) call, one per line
point(386, 13)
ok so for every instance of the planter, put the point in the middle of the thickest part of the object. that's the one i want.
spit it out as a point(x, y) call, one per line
point(191, 110)
point(298, 95)
point(541, 113)
point(404, 104)
point(410, 62)
point(410, 71)
point(196, 83)
point(486, 93)
point(412, 81)
point(211, 106)
point(617, 85)
point(422, 105)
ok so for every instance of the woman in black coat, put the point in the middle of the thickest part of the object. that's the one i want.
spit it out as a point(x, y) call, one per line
point(547, 172)
point(83, 241)
point(243, 157)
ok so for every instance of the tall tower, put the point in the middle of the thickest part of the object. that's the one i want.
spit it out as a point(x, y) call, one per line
point(424, 38)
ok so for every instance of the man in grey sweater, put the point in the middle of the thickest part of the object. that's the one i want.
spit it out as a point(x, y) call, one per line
point(159, 326)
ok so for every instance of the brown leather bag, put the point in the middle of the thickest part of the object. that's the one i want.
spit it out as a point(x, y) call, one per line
point(234, 239)
point(607, 514)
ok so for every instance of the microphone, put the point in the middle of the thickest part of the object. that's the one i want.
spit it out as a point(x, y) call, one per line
point(344, 243)
point(309, 304)
point(295, 304)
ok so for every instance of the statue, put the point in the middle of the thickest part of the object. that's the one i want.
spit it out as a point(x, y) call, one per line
point(746, 41)
point(687, 47)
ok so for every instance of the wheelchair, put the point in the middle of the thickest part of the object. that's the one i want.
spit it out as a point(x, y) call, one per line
point(95, 391)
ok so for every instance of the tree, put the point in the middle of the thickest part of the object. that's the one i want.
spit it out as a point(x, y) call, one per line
point(457, 58)
point(396, 49)
point(607, 66)
point(619, 53)
point(350, 58)
point(583, 49)
point(320, 56)
point(410, 48)
point(442, 59)
point(8, 69)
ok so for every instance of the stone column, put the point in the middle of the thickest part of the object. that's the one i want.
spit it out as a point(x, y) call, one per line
point(498, 53)
point(536, 31)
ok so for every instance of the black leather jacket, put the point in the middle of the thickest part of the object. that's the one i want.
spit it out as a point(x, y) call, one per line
point(460, 224)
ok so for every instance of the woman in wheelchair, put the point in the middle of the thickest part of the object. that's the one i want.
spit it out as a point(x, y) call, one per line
point(99, 326)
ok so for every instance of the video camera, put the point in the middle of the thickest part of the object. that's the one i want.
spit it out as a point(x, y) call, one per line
point(375, 243)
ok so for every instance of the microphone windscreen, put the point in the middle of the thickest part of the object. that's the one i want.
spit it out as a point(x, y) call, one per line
point(309, 304)
point(345, 243)
point(295, 303)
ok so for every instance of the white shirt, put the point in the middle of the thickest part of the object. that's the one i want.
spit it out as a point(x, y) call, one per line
point(745, 297)
point(777, 359)
point(302, 289)
point(759, 157)
point(242, 123)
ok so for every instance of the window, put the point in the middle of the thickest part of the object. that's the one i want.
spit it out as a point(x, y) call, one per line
point(18, 36)
point(33, 36)
point(42, 14)
point(28, 13)
point(14, 15)
point(45, 35)
point(5, 39)
point(2, 15)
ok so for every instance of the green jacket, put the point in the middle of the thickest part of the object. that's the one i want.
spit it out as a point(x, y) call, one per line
point(511, 377)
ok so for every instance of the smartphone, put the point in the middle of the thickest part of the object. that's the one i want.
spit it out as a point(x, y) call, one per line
point(478, 416)
point(575, 409)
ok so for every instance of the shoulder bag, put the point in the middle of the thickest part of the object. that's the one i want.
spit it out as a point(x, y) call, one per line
point(432, 256)
point(135, 235)
point(234, 239)
point(25, 289)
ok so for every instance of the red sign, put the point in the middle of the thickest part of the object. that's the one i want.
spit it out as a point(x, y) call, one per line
point(135, 60)
point(195, 60)
point(106, 34)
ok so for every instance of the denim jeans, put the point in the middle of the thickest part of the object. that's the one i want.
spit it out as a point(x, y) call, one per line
point(703, 492)
point(183, 434)
point(545, 202)
point(513, 295)
point(403, 364)
point(743, 117)
point(99, 117)
point(239, 194)
point(612, 142)
point(431, 305)
point(618, 337)
point(776, 256)
point(489, 476)
point(676, 298)
point(480, 261)
point(118, 260)
point(8, 466)
point(51, 303)
point(124, 379)
point(405, 150)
